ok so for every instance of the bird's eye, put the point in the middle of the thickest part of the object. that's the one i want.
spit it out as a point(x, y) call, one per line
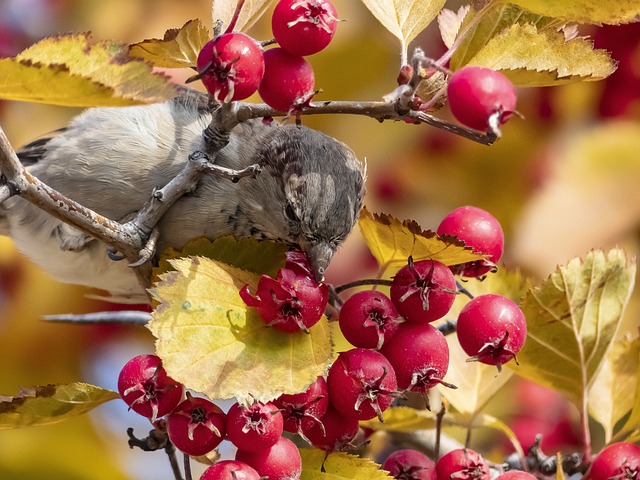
point(290, 213)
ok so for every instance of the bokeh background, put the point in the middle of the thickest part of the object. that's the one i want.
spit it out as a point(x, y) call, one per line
point(563, 180)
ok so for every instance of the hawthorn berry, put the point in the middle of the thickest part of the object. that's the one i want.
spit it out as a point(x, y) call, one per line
point(481, 98)
point(409, 464)
point(620, 461)
point(362, 384)
point(516, 475)
point(423, 291)
point(304, 27)
point(144, 385)
point(491, 329)
point(305, 409)
point(334, 433)
point(196, 426)
point(281, 461)
point(288, 80)
point(231, 66)
point(230, 470)
point(462, 464)
point(255, 427)
point(479, 230)
point(368, 319)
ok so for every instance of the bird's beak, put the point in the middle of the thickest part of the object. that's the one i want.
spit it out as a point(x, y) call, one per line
point(319, 256)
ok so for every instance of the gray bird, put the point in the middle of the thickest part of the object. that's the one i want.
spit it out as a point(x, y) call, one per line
point(308, 194)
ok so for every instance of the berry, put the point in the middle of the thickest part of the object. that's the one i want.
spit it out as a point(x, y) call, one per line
point(303, 410)
point(423, 291)
point(491, 329)
point(144, 385)
point(419, 355)
point(462, 464)
point(409, 464)
point(196, 426)
point(335, 432)
point(230, 470)
point(255, 427)
point(279, 462)
point(288, 80)
point(368, 319)
point(231, 66)
point(361, 384)
point(479, 230)
point(620, 461)
point(481, 98)
point(516, 475)
point(304, 27)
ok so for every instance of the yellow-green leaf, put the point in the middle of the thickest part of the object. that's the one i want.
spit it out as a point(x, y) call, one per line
point(584, 11)
point(316, 465)
point(212, 342)
point(178, 49)
point(47, 404)
point(572, 319)
point(630, 431)
point(529, 57)
point(402, 419)
point(392, 242)
point(612, 394)
point(68, 70)
point(252, 10)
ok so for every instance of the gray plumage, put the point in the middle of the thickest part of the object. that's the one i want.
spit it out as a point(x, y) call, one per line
point(110, 160)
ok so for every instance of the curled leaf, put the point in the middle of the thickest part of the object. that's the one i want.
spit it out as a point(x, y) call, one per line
point(584, 11)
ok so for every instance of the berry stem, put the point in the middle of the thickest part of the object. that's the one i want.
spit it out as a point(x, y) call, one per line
point(363, 282)
point(236, 15)
point(464, 291)
point(187, 467)
point(448, 327)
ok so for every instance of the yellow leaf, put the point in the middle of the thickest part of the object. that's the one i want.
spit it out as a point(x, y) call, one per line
point(178, 49)
point(572, 319)
point(252, 10)
point(584, 11)
point(612, 393)
point(529, 57)
point(449, 23)
point(391, 242)
point(47, 404)
point(630, 431)
point(68, 70)
point(212, 342)
point(316, 465)
point(402, 419)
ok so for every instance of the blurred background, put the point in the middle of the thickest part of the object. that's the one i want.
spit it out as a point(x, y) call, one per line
point(563, 180)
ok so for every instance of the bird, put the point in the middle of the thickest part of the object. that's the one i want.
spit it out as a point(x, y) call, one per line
point(308, 194)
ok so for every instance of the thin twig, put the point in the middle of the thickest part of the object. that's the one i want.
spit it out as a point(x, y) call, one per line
point(187, 467)
point(361, 283)
point(125, 317)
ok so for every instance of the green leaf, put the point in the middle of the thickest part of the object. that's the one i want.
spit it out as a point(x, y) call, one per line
point(47, 404)
point(68, 70)
point(178, 49)
point(584, 11)
point(402, 419)
point(572, 319)
point(529, 57)
point(252, 10)
point(317, 465)
point(213, 343)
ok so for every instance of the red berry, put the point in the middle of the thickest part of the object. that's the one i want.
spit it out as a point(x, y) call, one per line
point(423, 291)
point(481, 98)
point(516, 475)
point(462, 464)
point(419, 355)
point(279, 462)
point(479, 230)
point(304, 27)
point(288, 80)
point(335, 432)
point(362, 384)
point(303, 410)
point(255, 427)
point(231, 66)
point(620, 461)
point(491, 329)
point(144, 385)
point(368, 319)
point(409, 464)
point(196, 426)
point(230, 470)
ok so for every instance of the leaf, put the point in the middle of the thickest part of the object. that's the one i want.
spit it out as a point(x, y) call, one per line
point(178, 49)
point(529, 57)
point(584, 11)
point(317, 465)
point(612, 394)
point(47, 404)
point(252, 10)
point(449, 23)
point(405, 19)
point(630, 431)
point(571, 320)
point(68, 70)
point(391, 242)
point(402, 419)
point(212, 342)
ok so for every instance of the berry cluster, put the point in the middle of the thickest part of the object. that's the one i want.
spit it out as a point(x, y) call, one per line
point(233, 65)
